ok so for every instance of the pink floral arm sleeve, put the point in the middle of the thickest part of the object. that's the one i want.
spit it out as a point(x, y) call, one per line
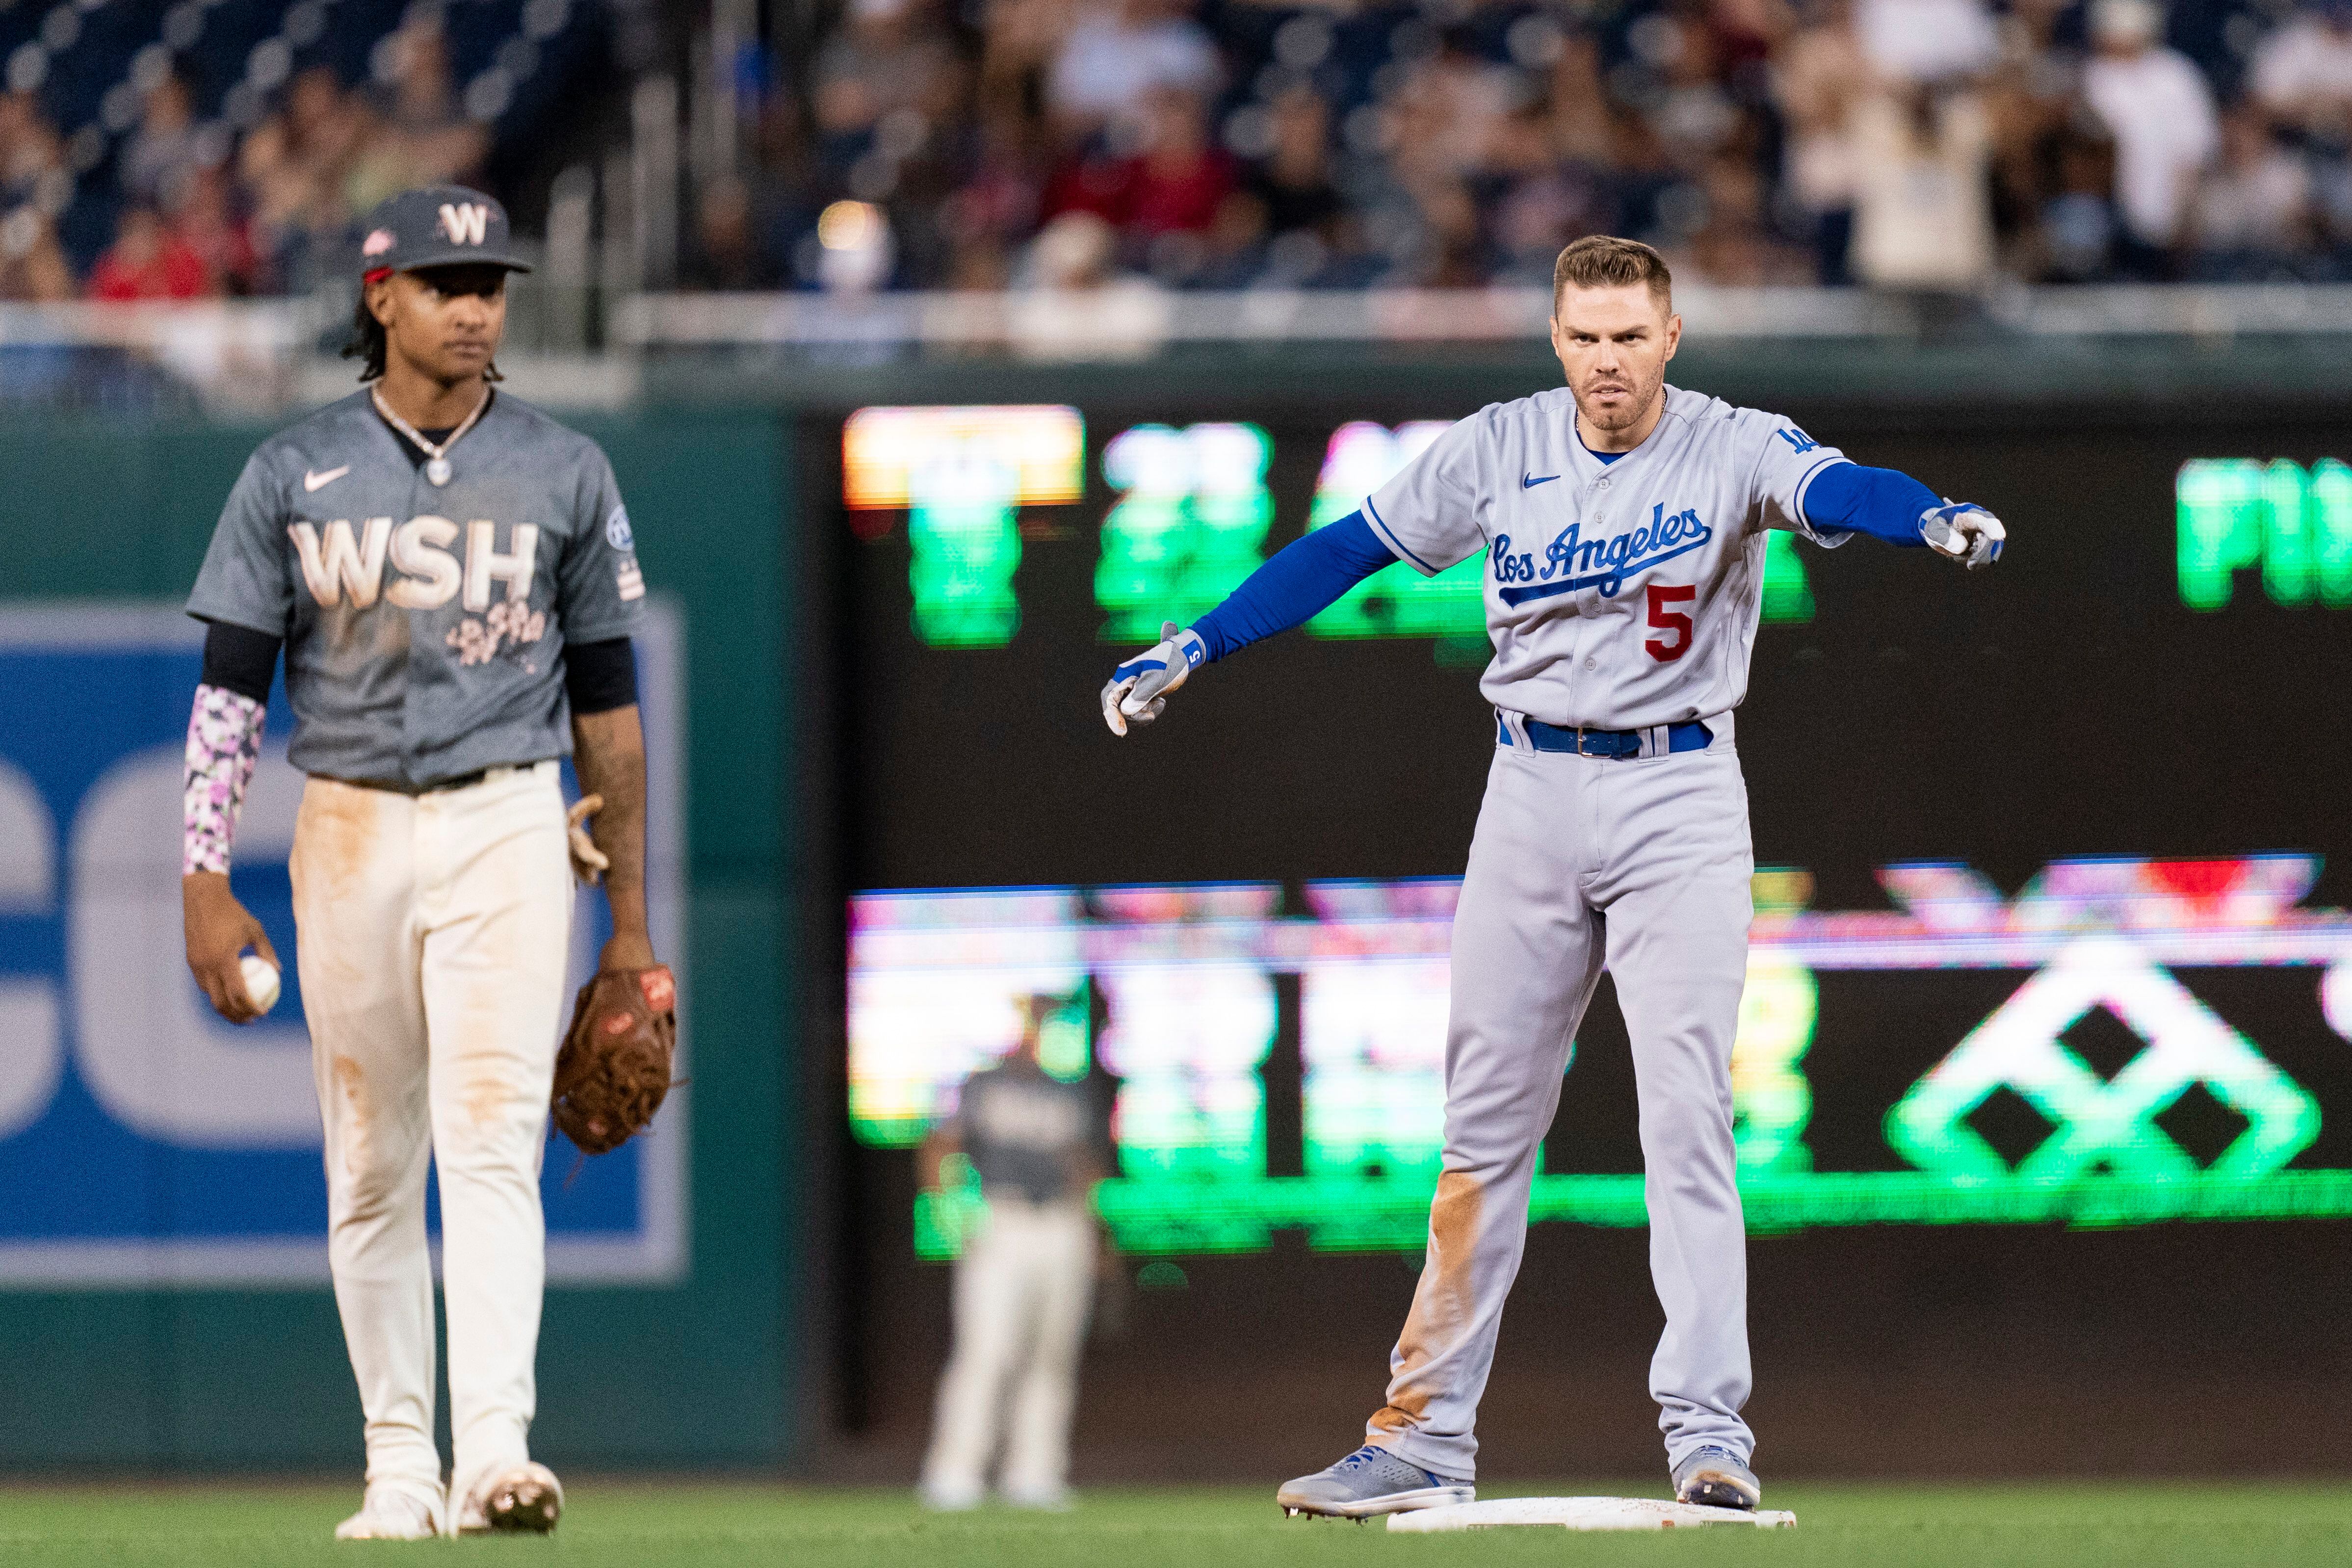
point(224, 743)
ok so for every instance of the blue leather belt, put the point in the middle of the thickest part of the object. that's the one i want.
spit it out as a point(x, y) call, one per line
point(1689, 736)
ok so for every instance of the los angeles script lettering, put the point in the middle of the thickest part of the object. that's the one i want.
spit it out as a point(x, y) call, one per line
point(1604, 563)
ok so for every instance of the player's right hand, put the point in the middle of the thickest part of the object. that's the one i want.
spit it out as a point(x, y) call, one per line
point(219, 930)
point(1139, 689)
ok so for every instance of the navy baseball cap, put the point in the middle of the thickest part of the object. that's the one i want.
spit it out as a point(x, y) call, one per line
point(438, 226)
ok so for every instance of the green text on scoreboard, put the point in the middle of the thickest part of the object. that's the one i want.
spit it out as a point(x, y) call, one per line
point(2291, 524)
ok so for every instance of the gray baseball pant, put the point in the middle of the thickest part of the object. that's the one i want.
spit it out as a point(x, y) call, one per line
point(1642, 864)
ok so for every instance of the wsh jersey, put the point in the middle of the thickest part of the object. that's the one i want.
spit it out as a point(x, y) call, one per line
point(424, 624)
point(1619, 596)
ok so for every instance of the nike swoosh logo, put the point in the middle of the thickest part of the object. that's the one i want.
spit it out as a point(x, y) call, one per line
point(1528, 481)
point(311, 482)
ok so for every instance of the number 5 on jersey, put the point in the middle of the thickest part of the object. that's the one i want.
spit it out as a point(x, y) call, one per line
point(1663, 650)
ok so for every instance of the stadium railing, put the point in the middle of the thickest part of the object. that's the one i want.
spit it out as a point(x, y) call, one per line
point(260, 356)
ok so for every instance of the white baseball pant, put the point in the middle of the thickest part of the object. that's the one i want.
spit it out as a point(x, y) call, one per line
point(433, 938)
point(1643, 865)
point(1023, 1288)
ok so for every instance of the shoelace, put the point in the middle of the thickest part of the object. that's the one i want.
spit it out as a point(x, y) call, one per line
point(1371, 1453)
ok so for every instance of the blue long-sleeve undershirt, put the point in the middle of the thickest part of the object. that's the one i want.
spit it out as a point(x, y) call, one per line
point(1310, 574)
point(1303, 579)
point(1880, 502)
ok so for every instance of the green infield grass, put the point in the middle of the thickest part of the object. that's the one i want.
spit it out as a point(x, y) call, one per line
point(643, 1524)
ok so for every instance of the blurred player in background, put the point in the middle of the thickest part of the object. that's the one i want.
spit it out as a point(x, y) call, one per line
point(451, 576)
point(1024, 1283)
point(1623, 523)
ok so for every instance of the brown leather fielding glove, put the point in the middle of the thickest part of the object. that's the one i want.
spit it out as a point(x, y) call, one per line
point(615, 1067)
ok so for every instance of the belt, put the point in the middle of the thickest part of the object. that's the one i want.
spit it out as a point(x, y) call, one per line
point(1689, 736)
point(403, 786)
point(462, 781)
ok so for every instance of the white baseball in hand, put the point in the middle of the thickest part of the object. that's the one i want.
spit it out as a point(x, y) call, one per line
point(260, 980)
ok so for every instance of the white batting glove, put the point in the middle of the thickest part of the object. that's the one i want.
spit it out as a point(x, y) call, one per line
point(1968, 534)
point(1139, 689)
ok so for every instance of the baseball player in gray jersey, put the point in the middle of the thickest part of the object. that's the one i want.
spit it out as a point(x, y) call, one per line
point(451, 575)
point(1024, 1282)
point(1623, 526)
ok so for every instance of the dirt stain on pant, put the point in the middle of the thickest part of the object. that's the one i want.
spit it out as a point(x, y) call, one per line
point(359, 1112)
point(489, 1091)
point(491, 1082)
point(1442, 1303)
point(337, 834)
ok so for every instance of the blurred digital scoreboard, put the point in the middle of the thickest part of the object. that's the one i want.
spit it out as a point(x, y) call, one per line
point(1194, 517)
point(2198, 1122)
point(2135, 726)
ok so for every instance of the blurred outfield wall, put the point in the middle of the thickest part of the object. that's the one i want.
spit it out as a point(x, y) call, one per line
point(686, 1353)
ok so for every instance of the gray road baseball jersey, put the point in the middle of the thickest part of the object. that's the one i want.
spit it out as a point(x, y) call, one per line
point(425, 625)
point(1619, 596)
point(1023, 1130)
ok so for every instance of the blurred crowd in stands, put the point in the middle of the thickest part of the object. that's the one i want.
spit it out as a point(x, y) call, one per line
point(980, 144)
point(1920, 144)
point(204, 212)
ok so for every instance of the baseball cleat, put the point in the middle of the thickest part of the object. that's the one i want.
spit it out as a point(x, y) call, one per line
point(952, 1497)
point(1369, 1482)
point(390, 1512)
point(1715, 1478)
point(522, 1499)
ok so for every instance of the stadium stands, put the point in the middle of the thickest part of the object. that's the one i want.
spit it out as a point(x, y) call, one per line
point(1936, 144)
point(209, 148)
point(222, 147)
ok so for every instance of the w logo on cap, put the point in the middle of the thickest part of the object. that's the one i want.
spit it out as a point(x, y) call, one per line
point(465, 223)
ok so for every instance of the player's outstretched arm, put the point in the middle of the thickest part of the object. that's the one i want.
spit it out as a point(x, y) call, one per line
point(1304, 578)
point(1890, 505)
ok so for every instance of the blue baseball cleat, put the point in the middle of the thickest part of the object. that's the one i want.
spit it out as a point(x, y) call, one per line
point(1369, 1482)
point(1717, 1477)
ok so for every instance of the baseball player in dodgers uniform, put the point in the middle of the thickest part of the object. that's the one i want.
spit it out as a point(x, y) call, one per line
point(451, 575)
point(1623, 526)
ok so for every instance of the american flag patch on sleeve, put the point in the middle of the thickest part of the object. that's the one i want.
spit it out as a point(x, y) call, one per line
point(632, 582)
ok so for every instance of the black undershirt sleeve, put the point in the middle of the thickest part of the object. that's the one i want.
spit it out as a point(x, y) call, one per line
point(601, 676)
point(240, 659)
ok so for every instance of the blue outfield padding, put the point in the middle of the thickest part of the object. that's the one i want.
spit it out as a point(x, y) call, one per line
point(142, 1141)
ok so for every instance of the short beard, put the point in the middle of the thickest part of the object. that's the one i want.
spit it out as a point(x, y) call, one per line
point(1631, 416)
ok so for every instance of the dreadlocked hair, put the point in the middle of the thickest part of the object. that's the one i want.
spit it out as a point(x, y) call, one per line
point(366, 343)
point(369, 345)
